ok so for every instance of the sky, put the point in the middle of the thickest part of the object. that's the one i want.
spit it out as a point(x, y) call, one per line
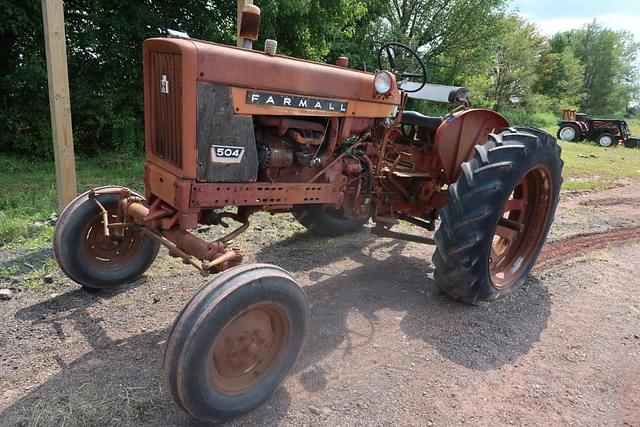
point(553, 16)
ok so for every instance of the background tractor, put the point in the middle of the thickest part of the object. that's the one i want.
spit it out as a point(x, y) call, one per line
point(233, 131)
point(605, 132)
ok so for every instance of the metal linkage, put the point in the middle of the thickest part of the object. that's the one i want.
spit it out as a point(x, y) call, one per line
point(205, 256)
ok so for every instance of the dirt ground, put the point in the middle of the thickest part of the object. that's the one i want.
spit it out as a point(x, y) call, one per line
point(385, 346)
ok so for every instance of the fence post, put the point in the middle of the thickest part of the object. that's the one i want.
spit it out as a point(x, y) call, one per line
point(59, 103)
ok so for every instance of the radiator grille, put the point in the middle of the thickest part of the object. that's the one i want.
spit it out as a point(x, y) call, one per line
point(166, 94)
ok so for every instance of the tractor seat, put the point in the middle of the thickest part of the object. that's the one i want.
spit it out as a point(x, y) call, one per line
point(420, 120)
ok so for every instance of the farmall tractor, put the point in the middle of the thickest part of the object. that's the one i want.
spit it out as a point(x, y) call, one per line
point(233, 131)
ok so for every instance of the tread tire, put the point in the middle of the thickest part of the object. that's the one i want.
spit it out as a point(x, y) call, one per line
point(468, 220)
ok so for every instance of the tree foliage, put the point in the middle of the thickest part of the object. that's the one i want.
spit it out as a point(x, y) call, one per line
point(501, 58)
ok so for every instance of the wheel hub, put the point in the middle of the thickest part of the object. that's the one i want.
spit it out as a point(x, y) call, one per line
point(248, 347)
point(244, 343)
point(109, 252)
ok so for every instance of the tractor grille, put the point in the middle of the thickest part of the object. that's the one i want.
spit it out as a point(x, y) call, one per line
point(166, 95)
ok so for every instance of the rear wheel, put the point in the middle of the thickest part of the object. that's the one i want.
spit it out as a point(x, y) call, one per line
point(235, 341)
point(325, 221)
point(90, 258)
point(498, 215)
point(568, 133)
point(607, 140)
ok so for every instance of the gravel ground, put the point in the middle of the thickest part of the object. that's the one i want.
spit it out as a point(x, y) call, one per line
point(385, 346)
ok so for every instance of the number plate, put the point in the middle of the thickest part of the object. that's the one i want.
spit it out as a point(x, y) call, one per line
point(226, 154)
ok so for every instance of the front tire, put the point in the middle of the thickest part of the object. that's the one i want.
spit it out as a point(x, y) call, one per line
point(235, 341)
point(498, 215)
point(325, 221)
point(88, 257)
point(607, 140)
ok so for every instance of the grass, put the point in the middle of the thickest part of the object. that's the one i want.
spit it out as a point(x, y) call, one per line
point(590, 167)
point(28, 206)
point(28, 201)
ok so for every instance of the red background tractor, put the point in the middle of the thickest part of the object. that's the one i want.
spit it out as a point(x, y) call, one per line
point(605, 132)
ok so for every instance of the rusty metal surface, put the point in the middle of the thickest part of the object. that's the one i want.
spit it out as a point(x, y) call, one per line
point(104, 250)
point(219, 127)
point(166, 106)
point(228, 65)
point(458, 134)
point(356, 108)
point(284, 124)
point(264, 194)
point(518, 232)
point(248, 348)
point(186, 166)
point(193, 245)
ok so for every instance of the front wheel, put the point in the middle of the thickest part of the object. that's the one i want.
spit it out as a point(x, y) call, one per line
point(235, 341)
point(91, 259)
point(607, 140)
point(498, 215)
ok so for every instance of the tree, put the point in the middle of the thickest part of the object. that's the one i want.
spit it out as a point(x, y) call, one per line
point(104, 45)
point(515, 61)
point(560, 75)
point(609, 59)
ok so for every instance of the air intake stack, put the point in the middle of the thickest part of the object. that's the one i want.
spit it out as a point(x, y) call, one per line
point(249, 26)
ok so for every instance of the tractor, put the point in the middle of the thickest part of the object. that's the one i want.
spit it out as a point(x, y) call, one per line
point(230, 131)
point(605, 132)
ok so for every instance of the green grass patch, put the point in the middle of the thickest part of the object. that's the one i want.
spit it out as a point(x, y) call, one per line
point(590, 167)
point(28, 200)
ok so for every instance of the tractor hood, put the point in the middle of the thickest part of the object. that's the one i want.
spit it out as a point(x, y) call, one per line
point(243, 68)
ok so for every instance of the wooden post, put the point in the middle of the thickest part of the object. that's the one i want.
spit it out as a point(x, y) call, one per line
point(241, 4)
point(59, 104)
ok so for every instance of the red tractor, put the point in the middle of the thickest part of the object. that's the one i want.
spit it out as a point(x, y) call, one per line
point(233, 131)
point(605, 132)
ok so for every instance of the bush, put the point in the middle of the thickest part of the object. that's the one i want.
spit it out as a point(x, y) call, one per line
point(535, 119)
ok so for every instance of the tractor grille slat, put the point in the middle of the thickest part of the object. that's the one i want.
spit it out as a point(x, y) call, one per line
point(167, 109)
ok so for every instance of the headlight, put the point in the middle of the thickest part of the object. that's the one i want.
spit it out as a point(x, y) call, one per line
point(382, 82)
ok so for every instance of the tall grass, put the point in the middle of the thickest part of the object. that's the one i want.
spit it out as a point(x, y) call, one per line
point(28, 199)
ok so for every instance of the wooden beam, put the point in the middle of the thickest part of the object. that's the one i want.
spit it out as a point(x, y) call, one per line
point(241, 4)
point(59, 104)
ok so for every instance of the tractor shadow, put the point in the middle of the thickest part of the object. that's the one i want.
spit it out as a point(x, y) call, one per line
point(383, 275)
point(119, 381)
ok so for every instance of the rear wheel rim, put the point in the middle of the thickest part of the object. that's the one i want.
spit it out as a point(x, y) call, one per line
point(109, 253)
point(248, 348)
point(520, 228)
point(567, 134)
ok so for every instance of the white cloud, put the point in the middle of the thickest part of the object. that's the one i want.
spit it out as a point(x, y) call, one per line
point(614, 21)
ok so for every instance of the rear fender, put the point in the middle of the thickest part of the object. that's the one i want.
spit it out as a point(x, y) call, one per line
point(460, 133)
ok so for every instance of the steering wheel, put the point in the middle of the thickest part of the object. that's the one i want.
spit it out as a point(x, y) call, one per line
point(400, 56)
